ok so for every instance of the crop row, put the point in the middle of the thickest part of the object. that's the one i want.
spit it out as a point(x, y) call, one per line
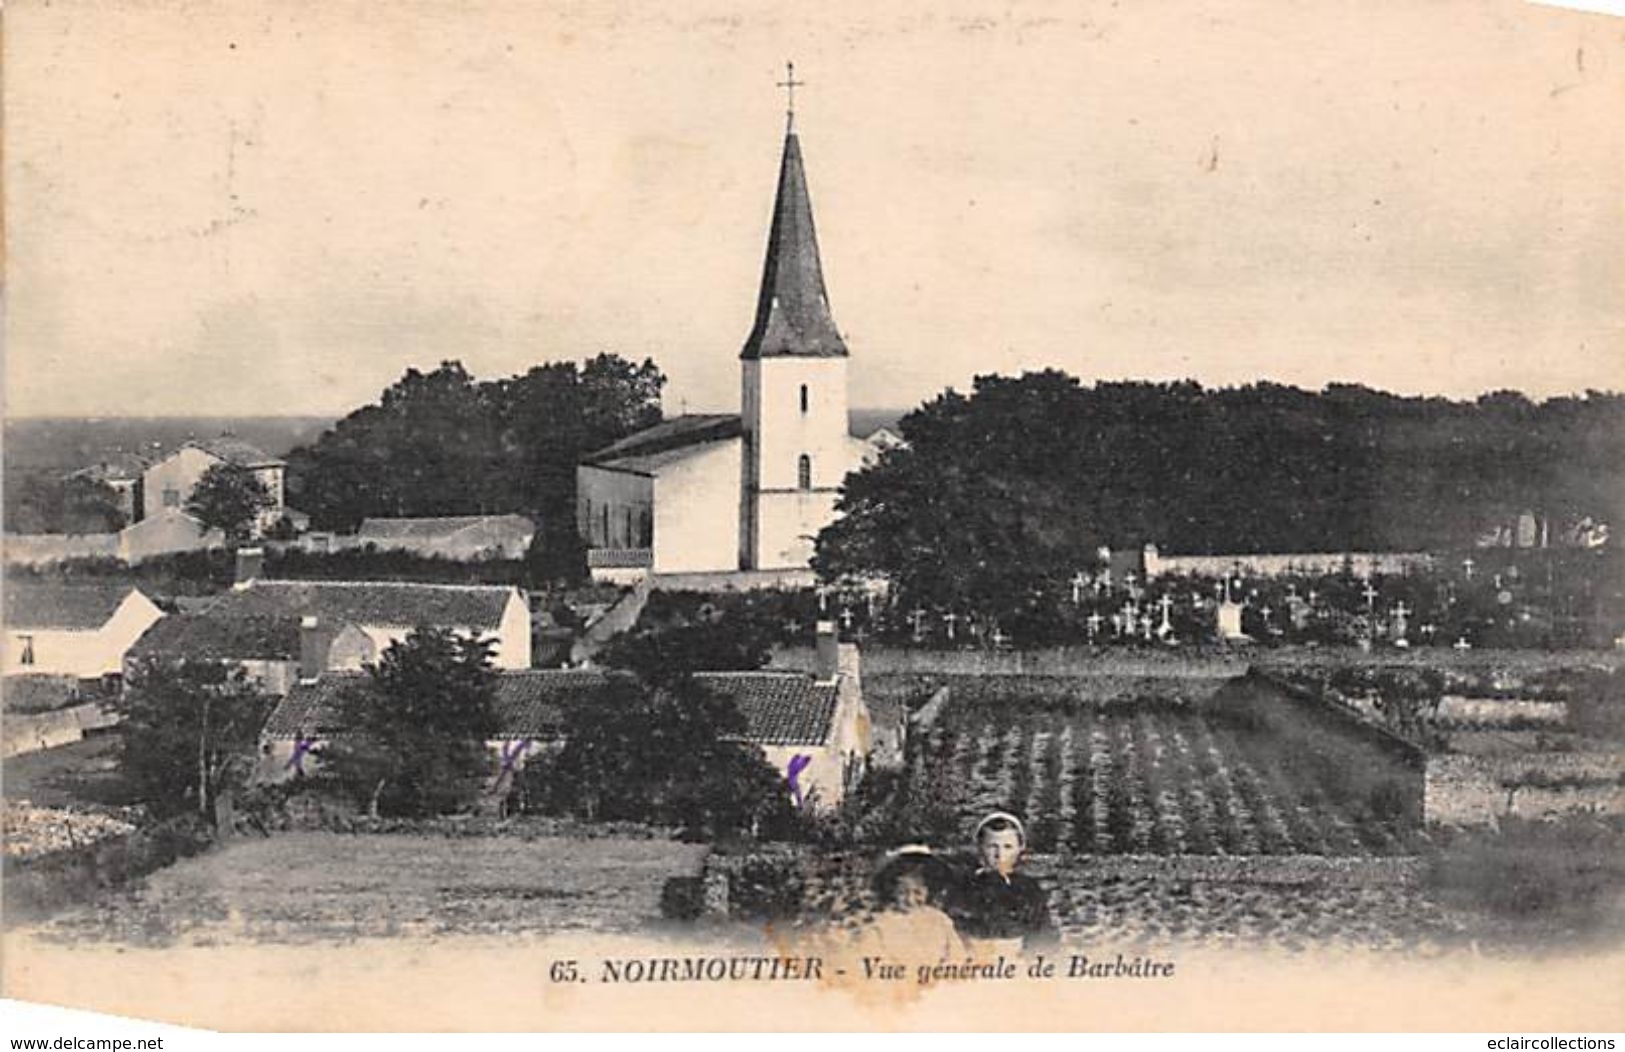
point(1145, 780)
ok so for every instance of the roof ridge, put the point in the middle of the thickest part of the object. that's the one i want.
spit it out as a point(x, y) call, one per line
point(373, 584)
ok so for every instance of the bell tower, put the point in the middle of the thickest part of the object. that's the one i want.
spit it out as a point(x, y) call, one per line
point(793, 378)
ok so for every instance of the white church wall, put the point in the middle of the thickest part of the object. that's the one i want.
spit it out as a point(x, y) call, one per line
point(789, 522)
point(696, 516)
point(786, 433)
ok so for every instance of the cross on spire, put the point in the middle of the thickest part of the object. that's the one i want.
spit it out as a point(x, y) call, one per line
point(790, 84)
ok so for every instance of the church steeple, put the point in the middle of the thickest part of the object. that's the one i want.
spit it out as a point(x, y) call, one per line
point(793, 319)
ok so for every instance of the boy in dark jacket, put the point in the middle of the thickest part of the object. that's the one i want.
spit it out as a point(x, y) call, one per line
point(996, 907)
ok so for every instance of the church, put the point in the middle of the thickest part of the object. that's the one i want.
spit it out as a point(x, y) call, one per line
point(720, 492)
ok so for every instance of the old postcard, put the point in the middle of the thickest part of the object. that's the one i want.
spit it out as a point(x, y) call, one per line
point(951, 516)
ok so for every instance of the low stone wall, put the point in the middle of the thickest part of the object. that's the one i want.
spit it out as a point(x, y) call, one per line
point(1456, 710)
point(37, 886)
point(31, 732)
point(41, 549)
point(1474, 790)
point(735, 581)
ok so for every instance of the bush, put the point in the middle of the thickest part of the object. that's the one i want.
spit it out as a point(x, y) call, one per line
point(1541, 881)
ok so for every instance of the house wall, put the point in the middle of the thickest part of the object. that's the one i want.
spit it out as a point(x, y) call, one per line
point(169, 482)
point(824, 776)
point(696, 511)
point(513, 636)
point(89, 653)
point(164, 533)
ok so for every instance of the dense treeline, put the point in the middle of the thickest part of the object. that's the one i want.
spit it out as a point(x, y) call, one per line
point(443, 443)
point(1018, 479)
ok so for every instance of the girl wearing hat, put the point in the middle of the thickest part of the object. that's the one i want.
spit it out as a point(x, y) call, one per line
point(909, 926)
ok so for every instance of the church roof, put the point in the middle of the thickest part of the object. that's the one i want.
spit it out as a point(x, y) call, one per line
point(646, 450)
point(792, 310)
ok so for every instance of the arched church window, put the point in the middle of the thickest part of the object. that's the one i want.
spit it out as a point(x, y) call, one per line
point(804, 472)
point(804, 398)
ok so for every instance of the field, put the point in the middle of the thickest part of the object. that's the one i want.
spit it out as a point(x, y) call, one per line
point(302, 887)
point(1154, 776)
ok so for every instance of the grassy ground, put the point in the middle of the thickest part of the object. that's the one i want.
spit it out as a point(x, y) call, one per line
point(68, 775)
point(303, 887)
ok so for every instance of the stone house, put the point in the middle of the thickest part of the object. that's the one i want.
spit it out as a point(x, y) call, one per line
point(168, 482)
point(387, 611)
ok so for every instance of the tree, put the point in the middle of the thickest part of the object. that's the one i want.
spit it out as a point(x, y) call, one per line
point(658, 754)
point(669, 653)
point(1002, 494)
point(444, 443)
point(43, 502)
point(415, 730)
point(189, 733)
point(557, 555)
point(229, 498)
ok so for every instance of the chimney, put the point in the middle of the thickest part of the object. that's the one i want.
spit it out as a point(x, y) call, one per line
point(250, 563)
point(312, 654)
point(827, 658)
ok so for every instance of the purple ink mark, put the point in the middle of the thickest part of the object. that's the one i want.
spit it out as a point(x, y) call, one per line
point(301, 748)
point(513, 752)
point(798, 763)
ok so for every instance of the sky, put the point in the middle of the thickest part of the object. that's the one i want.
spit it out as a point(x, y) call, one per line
point(278, 208)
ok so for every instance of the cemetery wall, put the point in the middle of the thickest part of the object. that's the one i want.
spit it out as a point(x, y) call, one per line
point(1362, 564)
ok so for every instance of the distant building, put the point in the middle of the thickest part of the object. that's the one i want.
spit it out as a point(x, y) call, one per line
point(168, 483)
point(749, 490)
point(814, 729)
point(387, 611)
point(73, 630)
point(462, 537)
point(122, 473)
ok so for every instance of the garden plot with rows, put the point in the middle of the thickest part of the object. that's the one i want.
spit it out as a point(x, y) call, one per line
point(1239, 773)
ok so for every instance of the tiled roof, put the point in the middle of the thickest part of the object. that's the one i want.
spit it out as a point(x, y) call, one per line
point(780, 708)
point(678, 432)
point(243, 637)
point(234, 450)
point(83, 607)
point(529, 704)
point(115, 467)
point(392, 604)
point(441, 528)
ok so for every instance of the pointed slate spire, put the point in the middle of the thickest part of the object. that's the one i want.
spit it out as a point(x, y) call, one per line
point(792, 311)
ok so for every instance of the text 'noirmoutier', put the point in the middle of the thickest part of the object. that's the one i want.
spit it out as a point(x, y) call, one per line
point(752, 969)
